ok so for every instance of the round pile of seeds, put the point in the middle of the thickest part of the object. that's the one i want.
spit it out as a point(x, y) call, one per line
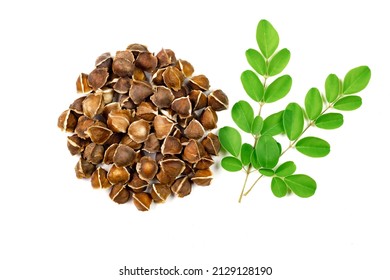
point(142, 126)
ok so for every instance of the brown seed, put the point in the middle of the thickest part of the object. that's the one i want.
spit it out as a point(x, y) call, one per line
point(209, 118)
point(118, 175)
point(119, 120)
point(183, 123)
point(109, 154)
point(194, 130)
point(162, 97)
point(182, 106)
point(122, 67)
point(99, 179)
point(108, 94)
point(218, 100)
point(172, 166)
point(82, 85)
point(93, 153)
point(76, 145)
point(126, 140)
point(185, 67)
point(115, 138)
point(98, 78)
point(104, 61)
point(108, 108)
point(99, 134)
point(177, 133)
point(171, 146)
point(84, 169)
point(124, 156)
point(139, 91)
point(198, 99)
point(164, 178)
point(199, 82)
point(151, 144)
point(211, 144)
point(188, 171)
point(204, 163)
point(123, 84)
point(160, 192)
point(83, 123)
point(126, 102)
point(139, 131)
point(169, 113)
point(147, 168)
point(157, 77)
point(67, 121)
point(181, 187)
point(93, 105)
point(162, 126)
point(77, 105)
point(128, 55)
point(173, 78)
point(137, 48)
point(137, 184)
point(165, 58)
point(146, 111)
point(138, 74)
point(142, 201)
point(146, 61)
point(202, 177)
point(182, 92)
point(193, 152)
point(119, 193)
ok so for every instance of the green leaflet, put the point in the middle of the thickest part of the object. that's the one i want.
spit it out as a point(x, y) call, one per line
point(267, 172)
point(286, 169)
point(257, 61)
point(246, 154)
point(313, 147)
point(330, 121)
point(278, 187)
point(293, 121)
point(230, 140)
point(348, 103)
point(332, 87)
point(242, 114)
point(313, 103)
point(278, 89)
point(302, 185)
point(252, 85)
point(257, 125)
point(254, 161)
point(278, 62)
point(267, 151)
point(231, 164)
point(356, 79)
point(267, 38)
point(273, 124)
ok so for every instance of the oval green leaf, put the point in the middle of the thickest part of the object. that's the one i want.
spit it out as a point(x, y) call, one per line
point(252, 85)
point(267, 38)
point(293, 121)
point(230, 140)
point(286, 169)
point(356, 79)
point(273, 124)
point(278, 62)
point(348, 103)
point(257, 61)
point(246, 154)
point(302, 185)
point(278, 187)
point(313, 147)
point(267, 151)
point(278, 89)
point(330, 121)
point(313, 103)
point(242, 114)
point(257, 125)
point(231, 164)
point(255, 163)
point(267, 172)
point(332, 87)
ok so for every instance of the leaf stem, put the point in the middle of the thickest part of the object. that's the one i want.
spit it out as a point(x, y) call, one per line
point(244, 186)
point(248, 191)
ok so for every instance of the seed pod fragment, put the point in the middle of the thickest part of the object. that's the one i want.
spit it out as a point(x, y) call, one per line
point(198, 99)
point(99, 179)
point(82, 85)
point(146, 61)
point(67, 121)
point(93, 153)
point(163, 97)
point(98, 78)
point(93, 105)
point(84, 169)
point(104, 61)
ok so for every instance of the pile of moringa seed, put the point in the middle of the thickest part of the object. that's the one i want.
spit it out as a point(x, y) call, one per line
point(142, 126)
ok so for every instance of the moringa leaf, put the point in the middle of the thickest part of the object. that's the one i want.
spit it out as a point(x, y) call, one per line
point(278, 187)
point(330, 121)
point(286, 169)
point(254, 161)
point(356, 79)
point(231, 164)
point(278, 62)
point(293, 121)
point(273, 124)
point(313, 147)
point(246, 154)
point(267, 151)
point(313, 103)
point(257, 61)
point(302, 185)
point(348, 103)
point(267, 38)
point(267, 172)
point(252, 85)
point(278, 89)
point(257, 125)
point(332, 87)
point(230, 140)
point(242, 114)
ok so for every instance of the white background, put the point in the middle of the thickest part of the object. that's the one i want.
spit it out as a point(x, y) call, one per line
point(54, 226)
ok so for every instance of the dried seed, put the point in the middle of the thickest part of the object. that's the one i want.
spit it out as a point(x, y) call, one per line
point(147, 168)
point(204, 163)
point(137, 48)
point(137, 184)
point(84, 169)
point(123, 84)
point(99, 179)
point(119, 193)
point(173, 78)
point(142, 201)
point(218, 100)
point(83, 123)
point(67, 121)
point(181, 187)
point(171, 146)
point(138, 74)
point(157, 77)
point(198, 99)
point(151, 144)
point(114, 106)
point(109, 154)
point(118, 175)
point(172, 166)
point(122, 67)
point(185, 67)
point(182, 106)
point(194, 130)
point(93, 105)
point(99, 134)
point(193, 152)
point(160, 193)
point(209, 118)
point(76, 145)
point(202, 177)
point(164, 58)
point(139, 91)
point(146, 61)
point(139, 131)
point(146, 111)
point(162, 97)
point(104, 61)
point(124, 156)
point(199, 82)
point(77, 105)
point(126, 140)
point(119, 120)
point(98, 78)
point(211, 144)
point(162, 126)
point(93, 153)
point(128, 55)
point(82, 85)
